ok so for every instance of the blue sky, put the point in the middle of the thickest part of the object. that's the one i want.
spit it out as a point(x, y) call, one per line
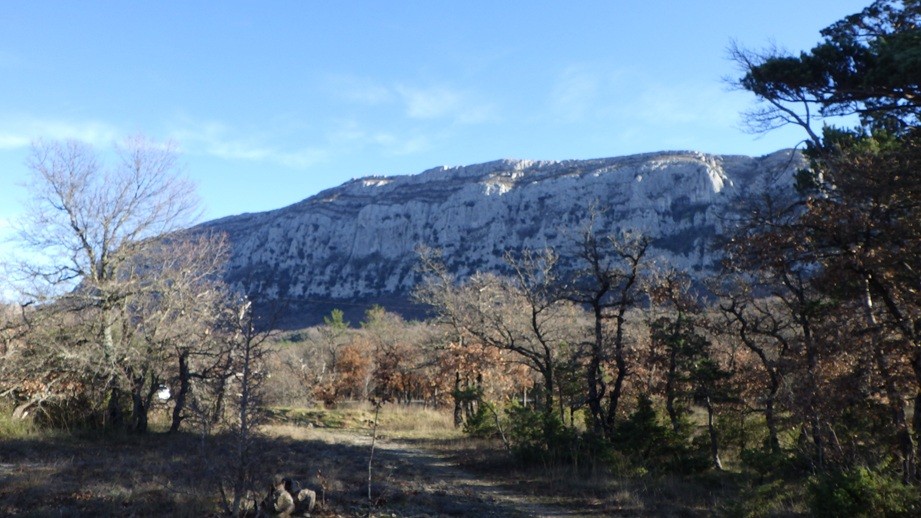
point(272, 102)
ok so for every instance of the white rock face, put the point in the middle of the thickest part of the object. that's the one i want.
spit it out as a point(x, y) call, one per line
point(357, 241)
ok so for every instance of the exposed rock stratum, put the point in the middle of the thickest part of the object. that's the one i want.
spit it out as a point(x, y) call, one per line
point(355, 245)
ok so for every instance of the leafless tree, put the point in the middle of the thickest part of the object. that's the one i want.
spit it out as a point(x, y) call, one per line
point(88, 227)
point(610, 283)
point(760, 326)
point(176, 316)
point(522, 314)
point(249, 346)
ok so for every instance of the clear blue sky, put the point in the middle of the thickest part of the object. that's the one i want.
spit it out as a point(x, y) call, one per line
point(272, 102)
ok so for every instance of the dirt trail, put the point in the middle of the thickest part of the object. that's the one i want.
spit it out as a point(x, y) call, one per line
point(445, 478)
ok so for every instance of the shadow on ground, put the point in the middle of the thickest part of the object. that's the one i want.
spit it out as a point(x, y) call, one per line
point(180, 475)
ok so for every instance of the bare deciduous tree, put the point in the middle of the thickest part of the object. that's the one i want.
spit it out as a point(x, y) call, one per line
point(249, 346)
point(609, 283)
point(521, 314)
point(88, 227)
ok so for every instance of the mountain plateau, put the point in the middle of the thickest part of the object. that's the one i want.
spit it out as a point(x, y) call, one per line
point(355, 245)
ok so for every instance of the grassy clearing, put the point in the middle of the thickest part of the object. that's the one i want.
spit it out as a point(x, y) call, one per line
point(55, 474)
point(394, 421)
point(46, 473)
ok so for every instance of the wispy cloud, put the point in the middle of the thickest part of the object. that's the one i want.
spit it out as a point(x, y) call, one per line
point(210, 138)
point(430, 103)
point(684, 104)
point(425, 103)
point(403, 145)
point(13, 141)
point(440, 102)
point(574, 94)
point(351, 134)
point(582, 93)
point(220, 141)
point(20, 133)
point(359, 90)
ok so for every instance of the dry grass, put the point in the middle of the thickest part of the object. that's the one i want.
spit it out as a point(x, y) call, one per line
point(404, 422)
point(10, 427)
point(423, 467)
point(394, 421)
point(158, 474)
point(72, 476)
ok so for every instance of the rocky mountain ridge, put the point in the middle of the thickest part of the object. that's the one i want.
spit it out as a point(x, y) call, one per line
point(355, 244)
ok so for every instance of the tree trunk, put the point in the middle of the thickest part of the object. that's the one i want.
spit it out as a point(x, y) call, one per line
point(243, 432)
point(916, 416)
point(138, 412)
point(559, 390)
point(916, 424)
point(903, 434)
point(614, 400)
point(458, 404)
point(548, 389)
point(139, 406)
point(620, 362)
point(185, 384)
point(594, 381)
point(714, 438)
point(114, 414)
point(773, 443)
point(670, 389)
point(812, 398)
point(220, 391)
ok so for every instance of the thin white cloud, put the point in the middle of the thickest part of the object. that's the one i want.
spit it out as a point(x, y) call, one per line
point(350, 134)
point(574, 94)
point(217, 139)
point(431, 103)
point(685, 104)
point(211, 138)
point(582, 93)
point(359, 90)
point(441, 102)
point(12, 141)
point(18, 134)
point(404, 146)
point(425, 103)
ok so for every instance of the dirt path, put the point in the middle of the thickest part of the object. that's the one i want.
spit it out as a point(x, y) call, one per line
point(413, 478)
point(443, 477)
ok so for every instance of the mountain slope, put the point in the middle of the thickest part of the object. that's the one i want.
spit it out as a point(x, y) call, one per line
point(355, 244)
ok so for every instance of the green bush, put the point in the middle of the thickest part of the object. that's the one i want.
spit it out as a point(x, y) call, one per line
point(779, 497)
point(536, 435)
point(862, 492)
point(539, 437)
point(643, 438)
point(768, 464)
point(482, 424)
point(642, 435)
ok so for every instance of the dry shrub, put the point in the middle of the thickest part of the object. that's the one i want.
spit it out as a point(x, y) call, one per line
point(11, 428)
